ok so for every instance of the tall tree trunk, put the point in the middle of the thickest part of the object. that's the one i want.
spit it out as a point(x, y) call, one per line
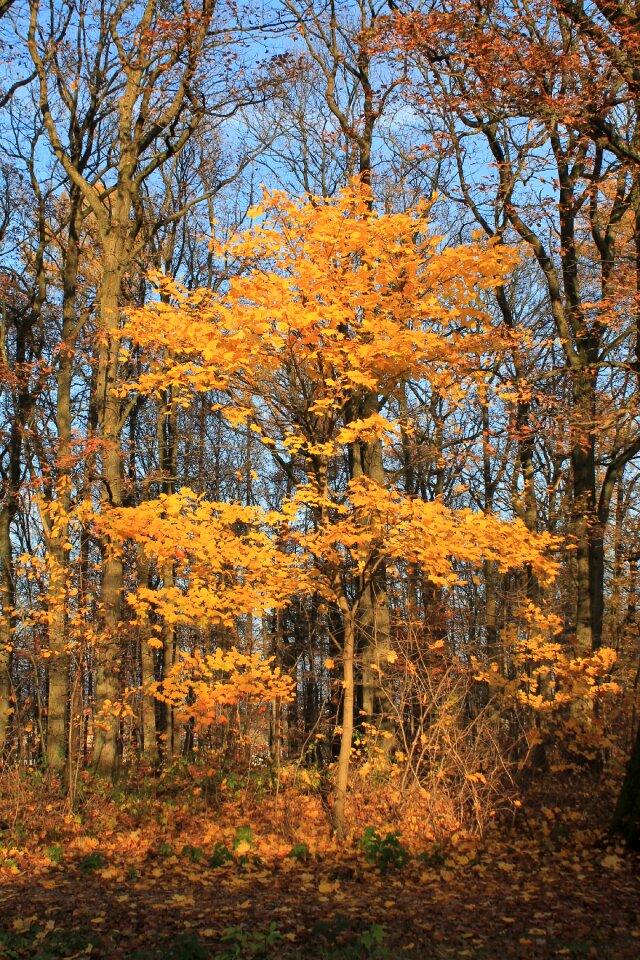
point(108, 655)
point(7, 599)
point(12, 479)
point(58, 662)
point(58, 534)
point(167, 435)
point(148, 676)
point(149, 733)
point(373, 622)
point(490, 567)
point(589, 559)
point(348, 705)
point(168, 660)
point(626, 817)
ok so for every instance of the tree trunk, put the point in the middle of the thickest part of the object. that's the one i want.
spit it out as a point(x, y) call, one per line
point(626, 817)
point(373, 623)
point(107, 682)
point(59, 660)
point(58, 687)
point(6, 638)
point(168, 660)
point(148, 676)
point(167, 435)
point(346, 740)
point(590, 567)
point(11, 486)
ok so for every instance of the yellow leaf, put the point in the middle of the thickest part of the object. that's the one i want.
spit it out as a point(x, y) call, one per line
point(328, 886)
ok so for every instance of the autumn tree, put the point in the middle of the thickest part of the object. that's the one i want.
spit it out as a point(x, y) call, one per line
point(513, 85)
point(610, 31)
point(141, 77)
point(349, 299)
point(23, 291)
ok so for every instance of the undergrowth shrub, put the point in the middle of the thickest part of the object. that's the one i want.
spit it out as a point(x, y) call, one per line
point(383, 852)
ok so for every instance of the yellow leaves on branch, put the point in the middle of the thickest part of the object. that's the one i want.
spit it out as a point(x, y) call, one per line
point(231, 560)
point(329, 298)
point(547, 675)
point(200, 685)
point(229, 557)
point(228, 561)
point(372, 519)
point(431, 534)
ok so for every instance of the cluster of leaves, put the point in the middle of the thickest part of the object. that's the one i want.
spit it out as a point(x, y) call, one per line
point(383, 851)
point(193, 687)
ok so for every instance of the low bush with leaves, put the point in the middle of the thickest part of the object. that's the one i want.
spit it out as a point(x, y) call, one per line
point(243, 942)
point(92, 861)
point(383, 851)
point(221, 855)
point(300, 852)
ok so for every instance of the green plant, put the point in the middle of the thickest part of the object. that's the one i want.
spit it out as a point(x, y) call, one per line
point(186, 946)
point(92, 861)
point(194, 854)
point(165, 850)
point(300, 852)
point(242, 835)
point(54, 853)
point(242, 842)
point(41, 943)
point(383, 852)
point(436, 857)
point(342, 944)
point(372, 941)
point(221, 855)
point(20, 831)
point(248, 943)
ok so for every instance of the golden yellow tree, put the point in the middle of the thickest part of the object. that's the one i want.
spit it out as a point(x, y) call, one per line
point(328, 301)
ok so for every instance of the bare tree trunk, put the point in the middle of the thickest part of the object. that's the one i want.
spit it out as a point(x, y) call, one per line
point(58, 534)
point(167, 434)
point(348, 704)
point(107, 682)
point(147, 672)
point(626, 817)
point(490, 568)
point(149, 733)
point(58, 663)
point(589, 575)
point(168, 660)
point(6, 619)
point(373, 622)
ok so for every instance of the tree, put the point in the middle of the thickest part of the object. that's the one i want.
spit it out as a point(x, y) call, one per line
point(334, 298)
point(23, 293)
point(610, 30)
point(524, 85)
point(137, 76)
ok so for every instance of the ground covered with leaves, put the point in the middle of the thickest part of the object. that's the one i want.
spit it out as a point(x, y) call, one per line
point(189, 867)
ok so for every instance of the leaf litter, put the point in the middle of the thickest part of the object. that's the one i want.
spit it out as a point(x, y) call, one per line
point(175, 877)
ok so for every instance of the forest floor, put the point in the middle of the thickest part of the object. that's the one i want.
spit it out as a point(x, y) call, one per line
point(168, 871)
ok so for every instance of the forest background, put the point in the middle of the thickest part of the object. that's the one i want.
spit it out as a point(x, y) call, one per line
point(319, 410)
